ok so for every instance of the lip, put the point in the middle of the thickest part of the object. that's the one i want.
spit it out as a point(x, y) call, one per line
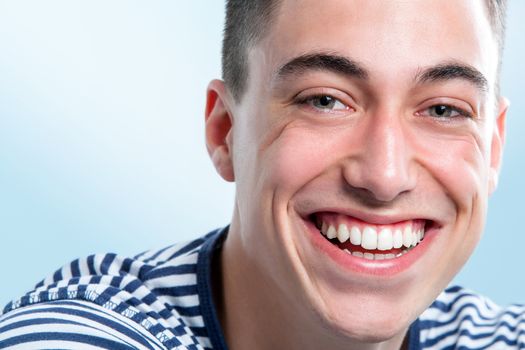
point(378, 268)
point(371, 218)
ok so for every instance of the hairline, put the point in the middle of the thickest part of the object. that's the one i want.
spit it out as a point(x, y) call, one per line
point(494, 10)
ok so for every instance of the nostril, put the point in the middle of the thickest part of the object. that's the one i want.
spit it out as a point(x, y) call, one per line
point(379, 177)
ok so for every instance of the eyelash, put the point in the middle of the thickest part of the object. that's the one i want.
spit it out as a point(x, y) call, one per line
point(460, 111)
point(307, 101)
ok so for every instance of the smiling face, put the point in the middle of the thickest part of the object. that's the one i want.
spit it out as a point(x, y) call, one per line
point(364, 149)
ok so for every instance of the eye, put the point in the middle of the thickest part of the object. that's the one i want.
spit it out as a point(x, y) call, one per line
point(443, 111)
point(324, 103)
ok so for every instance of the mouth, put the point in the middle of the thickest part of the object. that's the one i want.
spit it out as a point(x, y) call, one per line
point(371, 241)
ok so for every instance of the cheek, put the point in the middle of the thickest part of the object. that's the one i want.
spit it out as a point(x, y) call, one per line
point(297, 157)
point(459, 165)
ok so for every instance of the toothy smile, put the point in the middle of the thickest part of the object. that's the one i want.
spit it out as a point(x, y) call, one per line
point(370, 241)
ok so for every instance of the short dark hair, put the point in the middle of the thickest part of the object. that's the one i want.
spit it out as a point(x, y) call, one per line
point(247, 21)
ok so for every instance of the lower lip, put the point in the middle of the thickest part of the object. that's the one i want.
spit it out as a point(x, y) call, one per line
point(388, 267)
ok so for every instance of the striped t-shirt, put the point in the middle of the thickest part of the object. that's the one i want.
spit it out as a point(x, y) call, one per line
point(162, 300)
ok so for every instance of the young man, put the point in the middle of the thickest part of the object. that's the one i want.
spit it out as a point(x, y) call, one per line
point(364, 138)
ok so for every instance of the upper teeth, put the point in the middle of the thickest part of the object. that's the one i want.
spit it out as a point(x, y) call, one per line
point(372, 238)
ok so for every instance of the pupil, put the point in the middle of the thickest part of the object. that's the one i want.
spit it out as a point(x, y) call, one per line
point(325, 100)
point(440, 110)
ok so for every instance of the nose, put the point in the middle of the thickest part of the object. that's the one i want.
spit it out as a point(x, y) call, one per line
point(380, 163)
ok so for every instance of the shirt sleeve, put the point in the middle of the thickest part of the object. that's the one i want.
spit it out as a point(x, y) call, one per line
point(72, 325)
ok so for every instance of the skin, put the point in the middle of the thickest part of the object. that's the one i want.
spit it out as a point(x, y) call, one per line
point(379, 154)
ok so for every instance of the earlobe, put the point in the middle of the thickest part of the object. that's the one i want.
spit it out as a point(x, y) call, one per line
point(218, 129)
point(498, 141)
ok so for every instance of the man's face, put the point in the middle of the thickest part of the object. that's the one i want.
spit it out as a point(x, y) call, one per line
point(374, 121)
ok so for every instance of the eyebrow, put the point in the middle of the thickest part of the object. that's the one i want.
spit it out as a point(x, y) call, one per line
point(343, 65)
point(322, 62)
point(453, 70)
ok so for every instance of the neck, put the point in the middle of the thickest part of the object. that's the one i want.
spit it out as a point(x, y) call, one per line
point(254, 315)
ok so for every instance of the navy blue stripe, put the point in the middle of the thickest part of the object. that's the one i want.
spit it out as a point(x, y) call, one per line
point(453, 290)
point(199, 331)
point(132, 286)
point(37, 321)
point(116, 282)
point(106, 263)
point(498, 339)
point(79, 338)
point(209, 253)
point(446, 307)
point(496, 324)
point(126, 265)
point(95, 279)
point(166, 313)
point(74, 281)
point(149, 299)
point(91, 264)
point(39, 284)
point(57, 276)
point(414, 336)
point(180, 291)
point(493, 342)
point(144, 269)
point(75, 268)
point(8, 307)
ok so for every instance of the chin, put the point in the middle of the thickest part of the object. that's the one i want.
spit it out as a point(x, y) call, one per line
point(369, 324)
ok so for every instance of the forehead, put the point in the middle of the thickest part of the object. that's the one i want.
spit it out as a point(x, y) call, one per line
point(391, 37)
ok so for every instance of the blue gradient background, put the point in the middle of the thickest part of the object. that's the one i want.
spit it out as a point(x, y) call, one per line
point(102, 142)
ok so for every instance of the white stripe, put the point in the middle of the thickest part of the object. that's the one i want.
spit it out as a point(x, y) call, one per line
point(185, 301)
point(172, 281)
point(83, 267)
point(135, 267)
point(194, 321)
point(183, 260)
point(115, 266)
point(86, 329)
point(66, 272)
point(204, 341)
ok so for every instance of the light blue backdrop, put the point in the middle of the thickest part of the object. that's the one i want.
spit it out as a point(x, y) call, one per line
point(102, 146)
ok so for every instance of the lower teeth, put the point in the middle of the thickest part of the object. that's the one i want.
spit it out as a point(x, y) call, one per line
point(370, 256)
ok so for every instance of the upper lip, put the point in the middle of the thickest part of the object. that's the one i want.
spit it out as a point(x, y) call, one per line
point(371, 217)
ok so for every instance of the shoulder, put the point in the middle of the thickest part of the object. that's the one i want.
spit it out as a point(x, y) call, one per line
point(72, 324)
point(463, 319)
point(149, 301)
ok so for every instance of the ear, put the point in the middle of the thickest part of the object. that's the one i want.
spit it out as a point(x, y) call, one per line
point(498, 141)
point(219, 129)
